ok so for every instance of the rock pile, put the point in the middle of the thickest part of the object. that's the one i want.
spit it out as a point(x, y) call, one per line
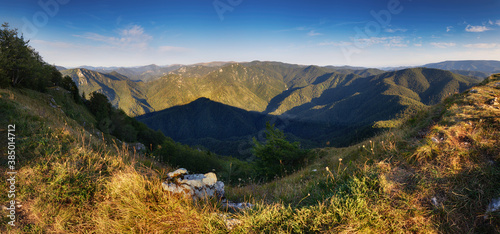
point(200, 186)
point(196, 186)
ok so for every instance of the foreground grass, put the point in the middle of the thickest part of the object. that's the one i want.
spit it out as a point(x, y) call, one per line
point(437, 173)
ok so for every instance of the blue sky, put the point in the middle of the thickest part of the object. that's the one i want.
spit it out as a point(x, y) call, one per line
point(371, 33)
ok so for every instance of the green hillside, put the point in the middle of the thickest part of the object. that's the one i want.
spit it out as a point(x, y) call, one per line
point(254, 86)
point(234, 85)
point(121, 91)
point(353, 99)
point(320, 106)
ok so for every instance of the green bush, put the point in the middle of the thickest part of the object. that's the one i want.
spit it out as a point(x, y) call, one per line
point(278, 157)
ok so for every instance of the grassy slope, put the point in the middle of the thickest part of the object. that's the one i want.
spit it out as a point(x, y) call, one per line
point(70, 181)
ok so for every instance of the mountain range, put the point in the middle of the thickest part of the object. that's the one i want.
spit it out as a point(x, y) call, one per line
point(220, 106)
point(484, 66)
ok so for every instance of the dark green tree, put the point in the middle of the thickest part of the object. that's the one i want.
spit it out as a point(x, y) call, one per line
point(56, 76)
point(277, 156)
point(18, 61)
point(68, 84)
point(21, 65)
point(100, 106)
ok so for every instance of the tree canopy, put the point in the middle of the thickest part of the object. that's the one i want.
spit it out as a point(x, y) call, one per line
point(21, 65)
point(277, 156)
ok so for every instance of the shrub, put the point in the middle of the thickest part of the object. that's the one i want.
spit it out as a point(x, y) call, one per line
point(278, 157)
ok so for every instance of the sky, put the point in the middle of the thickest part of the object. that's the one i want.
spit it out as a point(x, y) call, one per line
point(370, 33)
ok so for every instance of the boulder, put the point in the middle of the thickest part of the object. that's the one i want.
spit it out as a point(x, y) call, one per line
point(137, 146)
point(196, 186)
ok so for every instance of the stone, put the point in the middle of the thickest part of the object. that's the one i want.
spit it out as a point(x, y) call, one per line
point(474, 91)
point(138, 146)
point(176, 173)
point(196, 186)
point(493, 206)
point(492, 102)
point(435, 202)
point(200, 187)
point(235, 206)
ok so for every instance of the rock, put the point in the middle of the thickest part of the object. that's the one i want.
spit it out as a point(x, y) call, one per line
point(235, 206)
point(492, 102)
point(474, 91)
point(493, 206)
point(497, 85)
point(200, 186)
point(435, 202)
point(176, 173)
point(196, 186)
point(137, 146)
point(435, 140)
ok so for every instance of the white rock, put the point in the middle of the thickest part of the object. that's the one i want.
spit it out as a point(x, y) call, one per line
point(197, 186)
point(178, 172)
point(493, 206)
point(434, 202)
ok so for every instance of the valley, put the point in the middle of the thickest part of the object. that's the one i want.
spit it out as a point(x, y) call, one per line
point(315, 105)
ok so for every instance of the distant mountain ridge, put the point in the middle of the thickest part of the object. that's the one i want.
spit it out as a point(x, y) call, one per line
point(270, 87)
point(486, 66)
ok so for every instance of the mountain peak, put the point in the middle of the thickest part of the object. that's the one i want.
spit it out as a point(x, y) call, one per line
point(202, 100)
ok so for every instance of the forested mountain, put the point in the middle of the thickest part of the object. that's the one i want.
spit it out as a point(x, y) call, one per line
point(486, 66)
point(121, 91)
point(314, 103)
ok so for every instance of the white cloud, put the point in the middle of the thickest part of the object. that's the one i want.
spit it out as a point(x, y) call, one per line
point(449, 28)
point(418, 45)
point(443, 45)
point(394, 30)
point(332, 43)
point(385, 41)
point(481, 45)
point(313, 33)
point(471, 28)
point(131, 37)
point(497, 22)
